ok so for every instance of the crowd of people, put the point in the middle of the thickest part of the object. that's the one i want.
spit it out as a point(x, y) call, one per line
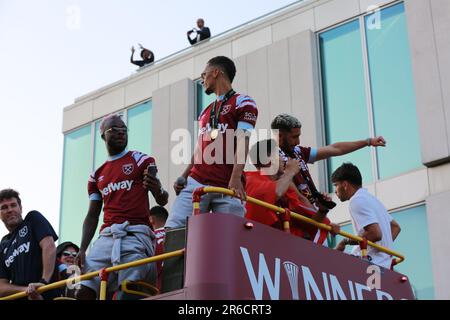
point(132, 229)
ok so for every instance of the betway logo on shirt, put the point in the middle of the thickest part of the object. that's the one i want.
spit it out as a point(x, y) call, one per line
point(222, 127)
point(23, 248)
point(116, 186)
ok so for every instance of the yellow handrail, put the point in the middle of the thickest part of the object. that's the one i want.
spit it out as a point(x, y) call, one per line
point(93, 274)
point(297, 216)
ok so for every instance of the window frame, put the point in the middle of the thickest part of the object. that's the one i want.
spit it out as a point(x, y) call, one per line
point(367, 85)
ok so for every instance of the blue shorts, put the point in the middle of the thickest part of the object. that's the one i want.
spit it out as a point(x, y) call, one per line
point(210, 202)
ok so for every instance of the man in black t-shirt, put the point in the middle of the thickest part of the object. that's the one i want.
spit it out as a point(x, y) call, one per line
point(28, 252)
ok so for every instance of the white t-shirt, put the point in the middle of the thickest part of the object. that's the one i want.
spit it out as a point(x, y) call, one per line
point(365, 210)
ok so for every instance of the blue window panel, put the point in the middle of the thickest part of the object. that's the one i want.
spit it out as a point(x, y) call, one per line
point(203, 100)
point(413, 242)
point(393, 97)
point(344, 94)
point(100, 152)
point(140, 128)
point(77, 165)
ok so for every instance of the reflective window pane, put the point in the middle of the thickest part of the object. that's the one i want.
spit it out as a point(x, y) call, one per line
point(100, 152)
point(140, 128)
point(344, 94)
point(393, 97)
point(77, 166)
point(203, 100)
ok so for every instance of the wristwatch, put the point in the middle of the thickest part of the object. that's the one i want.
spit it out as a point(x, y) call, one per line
point(42, 280)
point(368, 142)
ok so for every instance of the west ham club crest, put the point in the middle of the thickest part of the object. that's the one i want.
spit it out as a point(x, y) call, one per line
point(127, 168)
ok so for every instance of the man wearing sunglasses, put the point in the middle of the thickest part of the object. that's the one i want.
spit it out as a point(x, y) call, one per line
point(121, 186)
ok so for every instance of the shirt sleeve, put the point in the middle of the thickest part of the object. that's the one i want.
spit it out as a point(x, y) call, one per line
point(312, 155)
point(362, 213)
point(265, 191)
point(247, 110)
point(308, 154)
point(40, 226)
point(150, 161)
point(94, 193)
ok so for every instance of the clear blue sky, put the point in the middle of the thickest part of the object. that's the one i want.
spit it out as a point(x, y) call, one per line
point(52, 51)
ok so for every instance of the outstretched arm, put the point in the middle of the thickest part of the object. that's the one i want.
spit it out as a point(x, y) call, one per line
point(341, 148)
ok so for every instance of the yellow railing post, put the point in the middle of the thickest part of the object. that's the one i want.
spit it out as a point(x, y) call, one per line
point(103, 283)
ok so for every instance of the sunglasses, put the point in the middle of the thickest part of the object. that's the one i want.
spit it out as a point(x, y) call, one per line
point(116, 130)
point(69, 253)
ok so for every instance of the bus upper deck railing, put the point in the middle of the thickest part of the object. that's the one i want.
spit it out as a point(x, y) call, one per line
point(362, 241)
point(196, 210)
point(93, 274)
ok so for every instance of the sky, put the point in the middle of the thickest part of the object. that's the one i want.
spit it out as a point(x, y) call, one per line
point(53, 51)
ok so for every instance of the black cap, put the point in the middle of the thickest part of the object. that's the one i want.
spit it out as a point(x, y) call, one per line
point(60, 248)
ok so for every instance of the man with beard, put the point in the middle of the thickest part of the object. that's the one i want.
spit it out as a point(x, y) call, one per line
point(289, 131)
point(122, 184)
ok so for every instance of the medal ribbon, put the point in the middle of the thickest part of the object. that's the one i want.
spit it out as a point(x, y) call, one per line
point(214, 118)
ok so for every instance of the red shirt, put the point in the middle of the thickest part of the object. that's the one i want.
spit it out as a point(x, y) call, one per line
point(118, 183)
point(213, 166)
point(262, 187)
point(160, 235)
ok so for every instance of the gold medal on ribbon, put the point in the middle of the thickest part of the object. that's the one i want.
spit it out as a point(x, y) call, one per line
point(214, 134)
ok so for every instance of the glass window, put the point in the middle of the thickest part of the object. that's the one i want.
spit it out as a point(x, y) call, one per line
point(77, 166)
point(344, 94)
point(139, 121)
point(100, 152)
point(393, 98)
point(413, 243)
point(203, 100)
point(385, 78)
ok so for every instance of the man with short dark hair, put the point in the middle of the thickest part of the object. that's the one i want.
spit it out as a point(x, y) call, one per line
point(122, 184)
point(217, 160)
point(369, 217)
point(289, 131)
point(27, 253)
point(202, 32)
